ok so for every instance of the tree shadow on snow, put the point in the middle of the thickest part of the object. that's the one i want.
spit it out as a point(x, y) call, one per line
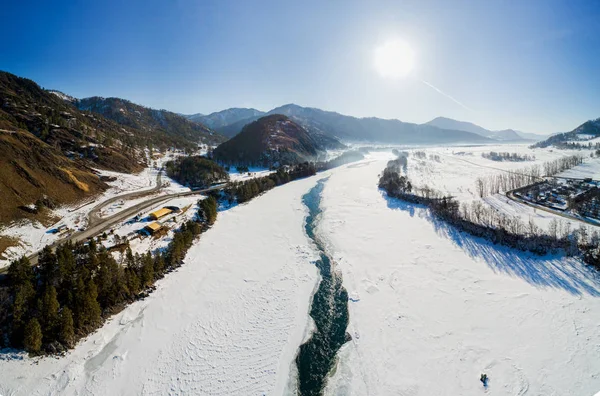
point(552, 270)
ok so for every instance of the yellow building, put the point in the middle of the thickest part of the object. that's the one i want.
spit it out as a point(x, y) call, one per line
point(153, 227)
point(157, 214)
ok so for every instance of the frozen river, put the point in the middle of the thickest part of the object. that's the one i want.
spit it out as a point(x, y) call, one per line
point(430, 309)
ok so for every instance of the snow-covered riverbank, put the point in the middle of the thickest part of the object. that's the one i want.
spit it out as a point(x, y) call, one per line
point(432, 309)
point(229, 322)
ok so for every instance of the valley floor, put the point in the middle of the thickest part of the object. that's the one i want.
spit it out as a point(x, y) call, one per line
point(430, 309)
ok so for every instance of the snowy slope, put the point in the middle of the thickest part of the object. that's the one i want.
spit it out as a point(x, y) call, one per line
point(229, 322)
point(432, 309)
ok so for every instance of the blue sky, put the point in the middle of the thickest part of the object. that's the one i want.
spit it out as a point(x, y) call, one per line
point(528, 65)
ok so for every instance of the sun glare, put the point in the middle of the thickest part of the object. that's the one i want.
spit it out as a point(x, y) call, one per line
point(394, 59)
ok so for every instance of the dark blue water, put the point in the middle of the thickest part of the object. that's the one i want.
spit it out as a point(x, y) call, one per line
point(329, 311)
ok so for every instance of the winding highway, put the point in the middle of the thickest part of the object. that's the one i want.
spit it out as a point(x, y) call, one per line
point(97, 225)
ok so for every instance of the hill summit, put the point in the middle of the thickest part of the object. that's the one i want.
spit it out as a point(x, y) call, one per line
point(273, 140)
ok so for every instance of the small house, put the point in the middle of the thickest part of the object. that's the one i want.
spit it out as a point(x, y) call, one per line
point(152, 228)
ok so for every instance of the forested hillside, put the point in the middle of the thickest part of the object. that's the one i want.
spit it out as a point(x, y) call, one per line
point(49, 143)
point(162, 127)
point(272, 141)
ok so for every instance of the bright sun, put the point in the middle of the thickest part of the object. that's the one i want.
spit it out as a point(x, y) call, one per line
point(394, 59)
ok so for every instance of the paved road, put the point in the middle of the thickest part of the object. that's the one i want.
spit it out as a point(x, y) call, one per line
point(94, 215)
point(108, 222)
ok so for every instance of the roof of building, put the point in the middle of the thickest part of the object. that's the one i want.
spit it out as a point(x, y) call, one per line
point(153, 226)
point(160, 212)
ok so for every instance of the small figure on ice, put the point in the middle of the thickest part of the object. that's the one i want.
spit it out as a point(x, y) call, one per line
point(484, 380)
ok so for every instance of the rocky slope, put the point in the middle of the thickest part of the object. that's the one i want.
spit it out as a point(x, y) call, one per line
point(33, 172)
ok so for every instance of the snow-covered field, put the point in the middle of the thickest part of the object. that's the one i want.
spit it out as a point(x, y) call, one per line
point(458, 168)
point(431, 309)
point(253, 172)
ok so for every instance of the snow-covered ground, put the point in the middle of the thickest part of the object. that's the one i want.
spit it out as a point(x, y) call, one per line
point(458, 168)
point(590, 168)
point(229, 322)
point(253, 172)
point(433, 309)
point(141, 244)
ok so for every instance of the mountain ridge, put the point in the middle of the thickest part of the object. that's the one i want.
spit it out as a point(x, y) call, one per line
point(225, 117)
point(501, 135)
point(368, 129)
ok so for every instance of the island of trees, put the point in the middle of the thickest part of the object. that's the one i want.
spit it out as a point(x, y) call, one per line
point(504, 156)
point(196, 171)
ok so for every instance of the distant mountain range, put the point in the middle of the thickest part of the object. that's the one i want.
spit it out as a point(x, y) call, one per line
point(506, 135)
point(352, 129)
point(226, 117)
point(271, 141)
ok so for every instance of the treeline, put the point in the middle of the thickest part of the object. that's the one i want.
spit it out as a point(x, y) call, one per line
point(196, 171)
point(504, 156)
point(578, 146)
point(422, 155)
point(517, 178)
point(345, 158)
point(244, 191)
point(72, 290)
point(483, 221)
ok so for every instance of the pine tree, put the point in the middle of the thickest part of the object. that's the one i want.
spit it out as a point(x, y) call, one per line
point(92, 307)
point(48, 265)
point(132, 281)
point(159, 265)
point(66, 333)
point(22, 301)
point(147, 272)
point(20, 272)
point(208, 209)
point(49, 311)
point(32, 340)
